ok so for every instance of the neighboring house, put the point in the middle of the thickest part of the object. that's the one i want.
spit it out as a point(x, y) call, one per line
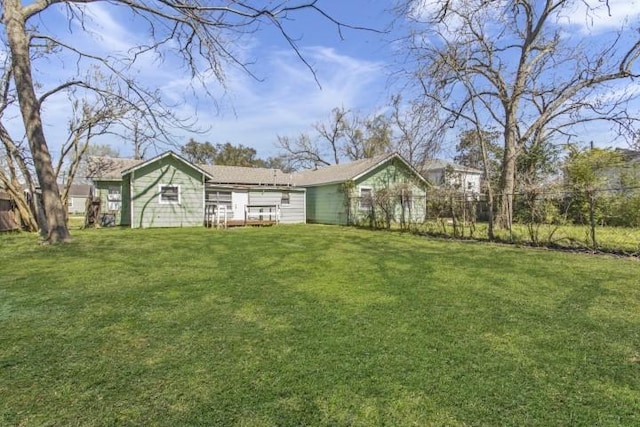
point(462, 178)
point(627, 174)
point(77, 198)
point(348, 193)
point(169, 191)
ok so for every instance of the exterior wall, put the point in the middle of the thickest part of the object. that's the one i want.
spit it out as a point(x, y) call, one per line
point(401, 180)
point(435, 177)
point(471, 182)
point(146, 208)
point(466, 182)
point(293, 213)
point(102, 191)
point(76, 205)
point(327, 204)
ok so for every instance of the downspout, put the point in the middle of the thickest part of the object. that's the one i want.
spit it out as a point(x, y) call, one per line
point(304, 199)
point(204, 201)
point(133, 175)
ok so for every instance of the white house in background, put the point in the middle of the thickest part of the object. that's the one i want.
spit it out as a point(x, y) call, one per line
point(441, 172)
point(77, 198)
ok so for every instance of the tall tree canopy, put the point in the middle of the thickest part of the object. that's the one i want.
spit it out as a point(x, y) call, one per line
point(203, 35)
point(414, 131)
point(344, 136)
point(517, 66)
point(228, 154)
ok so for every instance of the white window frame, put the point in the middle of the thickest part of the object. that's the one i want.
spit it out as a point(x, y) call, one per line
point(169, 202)
point(360, 206)
point(69, 201)
point(285, 198)
point(114, 198)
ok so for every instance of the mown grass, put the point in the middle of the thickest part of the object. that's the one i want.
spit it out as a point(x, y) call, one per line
point(313, 325)
point(612, 239)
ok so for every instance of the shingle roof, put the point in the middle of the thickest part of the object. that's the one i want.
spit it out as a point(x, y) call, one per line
point(79, 190)
point(246, 175)
point(109, 168)
point(438, 164)
point(340, 172)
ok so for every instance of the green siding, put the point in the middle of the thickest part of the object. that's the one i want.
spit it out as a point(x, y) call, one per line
point(326, 204)
point(392, 175)
point(147, 211)
point(102, 191)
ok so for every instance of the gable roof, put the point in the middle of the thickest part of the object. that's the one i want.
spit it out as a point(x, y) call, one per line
point(169, 153)
point(246, 175)
point(109, 168)
point(112, 169)
point(348, 171)
point(439, 164)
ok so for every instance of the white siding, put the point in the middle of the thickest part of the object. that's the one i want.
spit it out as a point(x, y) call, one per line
point(292, 213)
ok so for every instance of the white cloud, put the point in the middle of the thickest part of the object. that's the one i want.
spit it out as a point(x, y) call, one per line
point(104, 25)
point(596, 16)
point(245, 111)
point(288, 101)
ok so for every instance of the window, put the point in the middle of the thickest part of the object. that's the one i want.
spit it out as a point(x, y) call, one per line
point(470, 185)
point(220, 198)
point(114, 199)
point(407, 199)
point(70, 202)
point(170, 194)
point(366, 198)
point(286, 198)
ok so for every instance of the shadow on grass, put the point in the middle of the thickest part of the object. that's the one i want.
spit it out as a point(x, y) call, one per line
point(312, 326)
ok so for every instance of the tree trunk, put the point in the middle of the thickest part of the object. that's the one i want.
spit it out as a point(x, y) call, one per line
point(18, 41)
point(507, 181)
point(13, 154)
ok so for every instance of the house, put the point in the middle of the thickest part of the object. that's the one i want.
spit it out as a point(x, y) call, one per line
point(461, 178)
point(170, 191)
point(364, 190)
point(626, 175)
point(77, 198)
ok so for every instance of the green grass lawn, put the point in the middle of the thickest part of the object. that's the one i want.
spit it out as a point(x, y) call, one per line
point(313, 325)
point(617, 239)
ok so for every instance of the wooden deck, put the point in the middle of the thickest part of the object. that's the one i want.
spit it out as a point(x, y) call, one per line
point(250, 223)
point(254, 216)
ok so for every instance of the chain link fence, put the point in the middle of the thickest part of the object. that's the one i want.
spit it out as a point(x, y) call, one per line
point(602, 219)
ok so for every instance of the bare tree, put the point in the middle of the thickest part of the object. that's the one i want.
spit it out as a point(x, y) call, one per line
point(302, 152)
point(345, 136)
point(104, 115)
point(510, 65)
point(420, 130)
point(201, 33)
point(331, 133)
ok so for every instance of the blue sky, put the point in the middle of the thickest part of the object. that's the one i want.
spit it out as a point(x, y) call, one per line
point(286, 100)
point(353, 73)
